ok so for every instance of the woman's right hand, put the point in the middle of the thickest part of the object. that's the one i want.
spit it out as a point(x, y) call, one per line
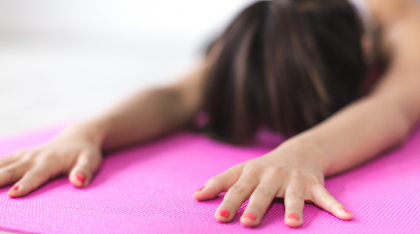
point(71, 154)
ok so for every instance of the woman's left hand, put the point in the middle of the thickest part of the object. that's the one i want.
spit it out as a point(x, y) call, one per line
point(292, 171)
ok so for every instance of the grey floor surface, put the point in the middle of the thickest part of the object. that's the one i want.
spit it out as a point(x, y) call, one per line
point(51, 79)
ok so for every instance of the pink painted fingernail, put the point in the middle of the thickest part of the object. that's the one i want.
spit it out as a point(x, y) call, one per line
point(200, 189)
point(250, 216)
point(344, 210)
point(15, 187)
point(293, 216)
point(224, 213)
point(81, 177)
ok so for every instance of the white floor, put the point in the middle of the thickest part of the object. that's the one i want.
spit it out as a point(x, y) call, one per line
point(50, 79)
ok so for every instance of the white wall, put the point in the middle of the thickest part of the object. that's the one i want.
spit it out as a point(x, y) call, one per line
point(117, 16)
point(64, 59)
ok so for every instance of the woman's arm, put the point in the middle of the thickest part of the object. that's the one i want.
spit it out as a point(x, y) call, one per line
point(296, 169)
point(146, 115)
point(385, 117)
point(77, 151)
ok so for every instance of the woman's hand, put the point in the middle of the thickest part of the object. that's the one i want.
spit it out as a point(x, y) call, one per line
point(73, 154)
point(293, 171)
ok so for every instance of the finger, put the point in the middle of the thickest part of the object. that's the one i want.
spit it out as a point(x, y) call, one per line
point(294, 202)
point(86, 165)
point(323, 199)
point(12, 172)
point(259, 201)
point(236, 196)
point(32, 179)
point(6, 160)
point(218, 184)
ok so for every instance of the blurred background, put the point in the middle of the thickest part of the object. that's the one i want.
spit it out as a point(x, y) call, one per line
point(61, 60)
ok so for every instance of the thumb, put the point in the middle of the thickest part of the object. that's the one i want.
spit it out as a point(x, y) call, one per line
point(220, 183)
point(86, 165)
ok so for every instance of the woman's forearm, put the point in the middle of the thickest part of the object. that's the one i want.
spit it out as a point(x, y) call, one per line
point(144, 115)
point(385, 117)
point(357, 133)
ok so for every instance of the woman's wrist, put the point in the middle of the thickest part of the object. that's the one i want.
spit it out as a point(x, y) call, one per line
point(308, 148)
point(93, 130)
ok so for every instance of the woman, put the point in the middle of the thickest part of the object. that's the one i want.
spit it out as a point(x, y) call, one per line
point(308, 69)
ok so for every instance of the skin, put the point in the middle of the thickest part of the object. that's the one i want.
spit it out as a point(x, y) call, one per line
point(295, 170)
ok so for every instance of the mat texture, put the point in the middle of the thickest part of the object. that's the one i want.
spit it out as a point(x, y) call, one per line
point(149, 188)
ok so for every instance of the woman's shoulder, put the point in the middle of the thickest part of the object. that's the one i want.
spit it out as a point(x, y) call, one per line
point(388, 11)
point(390, 16)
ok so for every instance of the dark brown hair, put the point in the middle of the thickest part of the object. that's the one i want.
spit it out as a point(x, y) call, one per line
point(285, 64)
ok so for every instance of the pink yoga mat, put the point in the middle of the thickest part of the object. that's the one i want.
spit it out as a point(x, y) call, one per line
point(149, 188)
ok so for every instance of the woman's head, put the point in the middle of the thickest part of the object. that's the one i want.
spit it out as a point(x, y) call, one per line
point(287, 64)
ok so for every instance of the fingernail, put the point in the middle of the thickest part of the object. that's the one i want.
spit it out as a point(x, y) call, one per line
point(224, 213)
point(293, 216)
point(344, 210)
point(15, 187)
point(200, 189)
point(81, 177)
point(250, 216)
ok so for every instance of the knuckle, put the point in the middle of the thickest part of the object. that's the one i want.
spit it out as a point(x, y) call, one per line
point(276, 171)
point(327, 197)
point(228, 203)
point(295, 193)
point(330, 203)
point(18, 165)
point(37, 174)
point(237, 190)
point(50, 157)
point(296, 176)
point(314, 181)
point(254, 170)
point(10, 172)
point(47, 158)
point(214, 180)
point(263, 191)
point(43, 172)
point(27, 156)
